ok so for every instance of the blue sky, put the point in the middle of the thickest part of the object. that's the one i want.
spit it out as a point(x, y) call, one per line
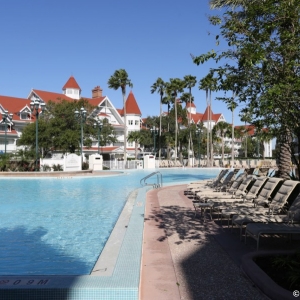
point(44, 42)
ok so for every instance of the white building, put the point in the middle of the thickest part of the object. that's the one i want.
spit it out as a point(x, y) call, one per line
point(20, 108)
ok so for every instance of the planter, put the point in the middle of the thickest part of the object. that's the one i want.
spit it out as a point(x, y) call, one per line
point(270, 288)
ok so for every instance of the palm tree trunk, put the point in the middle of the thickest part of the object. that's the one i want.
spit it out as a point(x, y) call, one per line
point(284, 164)
point(125, 128)
point(189, 125)
point(207, 141)
point(211, 138)
point(176, 127)
point(159, 139)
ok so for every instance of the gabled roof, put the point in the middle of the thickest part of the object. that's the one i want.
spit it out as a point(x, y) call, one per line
point(95, 101)
point(197, 117)
point(214, 117)
point(71, 84)
point(192, 104)
point(14, 105)
point(47, 96)
point(131, 106)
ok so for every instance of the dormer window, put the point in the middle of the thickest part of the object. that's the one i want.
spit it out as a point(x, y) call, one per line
point(25, 116)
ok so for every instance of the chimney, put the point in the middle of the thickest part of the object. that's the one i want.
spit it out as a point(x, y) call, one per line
point(97, 92)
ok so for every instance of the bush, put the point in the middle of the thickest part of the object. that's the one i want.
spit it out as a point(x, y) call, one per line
point(85, 166)
point(57, 167)
point(46, 168)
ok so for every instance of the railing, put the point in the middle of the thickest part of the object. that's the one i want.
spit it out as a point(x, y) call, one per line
point(156, 185)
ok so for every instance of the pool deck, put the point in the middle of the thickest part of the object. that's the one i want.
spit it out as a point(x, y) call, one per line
point(187, 258)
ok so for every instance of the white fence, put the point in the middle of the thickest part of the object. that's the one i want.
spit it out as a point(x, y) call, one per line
point(70, 162)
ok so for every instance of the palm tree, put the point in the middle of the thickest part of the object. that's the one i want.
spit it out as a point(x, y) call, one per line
point(209, 84)
point(232, 105)
point(245, 117)
point(189, 82)
point(221, 129)
point(160, 87)
point(223, 3)
point(120, 80)
point(135, 136)
point(174, 87)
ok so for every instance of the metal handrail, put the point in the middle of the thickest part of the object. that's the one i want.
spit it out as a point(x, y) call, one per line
point(155, 185)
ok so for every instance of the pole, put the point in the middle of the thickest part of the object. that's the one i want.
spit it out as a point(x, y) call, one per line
point(154, 135)
point(199, 149)
point(98, 140)
point(5, 134)
point(81, 124)
point(36, 139)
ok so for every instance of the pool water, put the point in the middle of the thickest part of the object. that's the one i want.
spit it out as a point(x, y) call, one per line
point(59, 226)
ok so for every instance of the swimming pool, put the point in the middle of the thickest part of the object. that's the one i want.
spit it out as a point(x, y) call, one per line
point(60, 225)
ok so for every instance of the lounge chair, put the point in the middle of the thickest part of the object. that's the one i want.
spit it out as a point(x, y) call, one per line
point(226, 189)
point(208, 185)
point(248, 197)
point(204, 182)
point(256, 230)
point(239, 193)
point(203, 204)
point(249, 215)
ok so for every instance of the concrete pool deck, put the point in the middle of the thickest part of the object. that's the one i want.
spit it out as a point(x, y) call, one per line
point(186, 258)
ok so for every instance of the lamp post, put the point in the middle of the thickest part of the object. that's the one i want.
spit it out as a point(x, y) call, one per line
point(34, 106)
point(198, 133)
point(81, 117)
point(154, 131)
point(6, 117)
point(98, 125)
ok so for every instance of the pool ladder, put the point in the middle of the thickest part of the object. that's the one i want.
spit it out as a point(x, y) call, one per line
point(156, 185)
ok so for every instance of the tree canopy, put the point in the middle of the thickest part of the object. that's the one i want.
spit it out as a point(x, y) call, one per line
point(261, 65)
point(59, 130)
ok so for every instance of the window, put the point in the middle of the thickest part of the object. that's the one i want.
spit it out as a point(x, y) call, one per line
point(25, 116)
point(136, 122)
point(130, 122)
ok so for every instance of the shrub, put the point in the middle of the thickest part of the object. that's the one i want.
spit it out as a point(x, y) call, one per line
point(57, 167)
point(46, 168)
point(85, 166)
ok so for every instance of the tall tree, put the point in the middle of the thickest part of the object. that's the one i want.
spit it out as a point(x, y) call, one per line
point(189, 82)
point(263, 62)
point(59, 129)
point(222, 129)
point(209, 84)
point(159, 86)
point(136, 137)
point(173, 88)
point(120, 80)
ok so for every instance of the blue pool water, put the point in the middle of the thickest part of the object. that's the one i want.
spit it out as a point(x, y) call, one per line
point(59, 226)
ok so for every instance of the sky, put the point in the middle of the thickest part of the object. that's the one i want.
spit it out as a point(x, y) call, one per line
point(44, 42)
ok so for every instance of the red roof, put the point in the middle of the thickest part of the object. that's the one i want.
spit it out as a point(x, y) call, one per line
point(55, 97)
point(197, 117)
point(214, 117)
point(190, 104)
point(14, 105)
point(71, 84)
point(131, 106)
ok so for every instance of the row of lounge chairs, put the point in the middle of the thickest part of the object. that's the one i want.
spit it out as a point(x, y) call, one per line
point(260, 205)
point(169, 164)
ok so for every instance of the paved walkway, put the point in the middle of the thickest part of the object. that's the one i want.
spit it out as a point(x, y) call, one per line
point(186, 258)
